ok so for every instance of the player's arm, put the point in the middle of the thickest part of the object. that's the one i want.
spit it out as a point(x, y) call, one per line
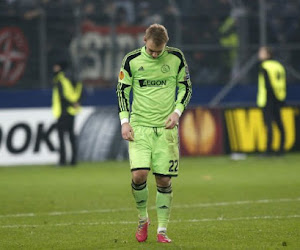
point(184, 86)
point(123, 93)
point(184, 92)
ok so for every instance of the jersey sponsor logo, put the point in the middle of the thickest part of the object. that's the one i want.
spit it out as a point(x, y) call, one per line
point(165, 68)
point(121, 75)
point(141, 68)
point(152, 83)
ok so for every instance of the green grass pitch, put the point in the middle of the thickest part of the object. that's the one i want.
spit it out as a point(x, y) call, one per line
point(218, 204)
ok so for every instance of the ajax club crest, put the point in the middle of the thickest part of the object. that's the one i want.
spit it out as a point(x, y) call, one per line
point(165, 68)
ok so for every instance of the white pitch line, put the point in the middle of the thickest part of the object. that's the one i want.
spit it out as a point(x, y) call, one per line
point(56, 213)
point(216, 204)
point(266, 217)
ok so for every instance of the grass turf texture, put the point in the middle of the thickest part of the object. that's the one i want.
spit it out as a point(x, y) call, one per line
point(218, 204)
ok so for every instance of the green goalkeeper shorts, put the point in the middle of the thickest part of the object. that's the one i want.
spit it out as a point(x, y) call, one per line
point(155, 149)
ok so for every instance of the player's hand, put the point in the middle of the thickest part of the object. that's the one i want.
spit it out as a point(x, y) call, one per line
point(172, 120)
point(127, 132)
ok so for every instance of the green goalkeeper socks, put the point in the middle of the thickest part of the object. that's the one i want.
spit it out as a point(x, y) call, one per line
point(140, 194)
point(163, 202)
point(163, 205)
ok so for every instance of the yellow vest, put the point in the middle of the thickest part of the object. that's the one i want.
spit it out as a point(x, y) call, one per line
point(277, 77)
point(72, 94)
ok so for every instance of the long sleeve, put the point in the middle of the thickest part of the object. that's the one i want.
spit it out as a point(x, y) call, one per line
point(123, 91)
point(184, 86)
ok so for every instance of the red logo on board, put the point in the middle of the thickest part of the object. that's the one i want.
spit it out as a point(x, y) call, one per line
point(13, 55)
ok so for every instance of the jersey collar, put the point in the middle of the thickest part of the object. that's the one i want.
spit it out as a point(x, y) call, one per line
point(149, 56)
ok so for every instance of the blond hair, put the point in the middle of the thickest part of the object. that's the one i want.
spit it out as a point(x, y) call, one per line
point(158, 33)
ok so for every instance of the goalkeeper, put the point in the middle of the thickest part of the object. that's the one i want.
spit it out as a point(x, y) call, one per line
point(153, 73)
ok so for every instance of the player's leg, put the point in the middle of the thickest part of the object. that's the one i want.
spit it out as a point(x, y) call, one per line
point(165, 161)
point(140, 157)
point(164, 197)
point(140, 192)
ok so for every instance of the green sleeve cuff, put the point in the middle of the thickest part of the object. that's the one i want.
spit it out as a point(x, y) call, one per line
point(124, 114)
point(180, 107)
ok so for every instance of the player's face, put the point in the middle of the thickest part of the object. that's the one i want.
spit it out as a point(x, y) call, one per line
point(152, 49)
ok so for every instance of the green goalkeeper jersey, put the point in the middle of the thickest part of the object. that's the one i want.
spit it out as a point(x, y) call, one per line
point(153, 82)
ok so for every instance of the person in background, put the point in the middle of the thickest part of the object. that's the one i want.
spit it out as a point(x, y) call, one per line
point(65, 106)
point(153, 73)
point(271, 95)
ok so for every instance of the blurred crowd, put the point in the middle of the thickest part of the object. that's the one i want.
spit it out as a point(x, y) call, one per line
point(202, 18)
point(209, 32)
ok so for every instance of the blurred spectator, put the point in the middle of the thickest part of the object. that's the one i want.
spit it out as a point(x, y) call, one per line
point(229, 40)
point(90, 12)
point(202, 27)
point(65, 106)
point(271, 95)
point(96, 12)
point(58, 19)
point(8, 7)
point(146, 16)
point(122, 17)
point(127, 8)
point(205, 67)
point(107, 13)
point(170, 20)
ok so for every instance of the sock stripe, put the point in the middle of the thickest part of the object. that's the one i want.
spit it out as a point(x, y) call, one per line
point(165, 190)
point(138, 186)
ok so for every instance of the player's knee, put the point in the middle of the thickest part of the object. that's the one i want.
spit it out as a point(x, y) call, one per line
point(139, 177)
point(163, 181)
